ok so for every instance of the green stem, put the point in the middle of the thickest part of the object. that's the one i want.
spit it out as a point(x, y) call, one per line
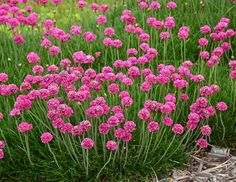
point(104, 165)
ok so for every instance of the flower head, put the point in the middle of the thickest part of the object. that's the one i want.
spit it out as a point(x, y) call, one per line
point(202, 143)
point(111, 145)
point(24, 127)
point(46, 137)
point(87, 143)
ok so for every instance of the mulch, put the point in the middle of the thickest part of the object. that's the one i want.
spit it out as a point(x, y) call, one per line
point(218, 165)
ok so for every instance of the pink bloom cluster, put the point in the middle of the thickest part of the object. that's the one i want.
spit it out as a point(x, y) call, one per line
point(46, 137)
point(2, 146)
point(106, 97)
point(232, 65)
point(219, 33)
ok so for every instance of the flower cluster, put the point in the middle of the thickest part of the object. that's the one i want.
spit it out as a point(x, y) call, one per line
point(114, 90)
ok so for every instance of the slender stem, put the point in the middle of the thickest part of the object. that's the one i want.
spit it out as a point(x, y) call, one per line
point(173, 139)
point(222, 126)
point(55, 159)
point(27, 148)
point(146, 153)
point(104, 165)
point(126, 154)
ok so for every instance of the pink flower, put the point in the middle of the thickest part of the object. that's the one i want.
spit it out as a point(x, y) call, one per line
point(184, 97)
point(104, 8)
point(215, 88)
point(166, 108)
point(218, 52)
point(191, 125)
point(95, 7)
point(167, 121)
point(27, 86)
point(211, 110)
point(124, 94)
point(226, 46)
point(134, 72)
point(113, 121)
point(48, 23)
point(164, 35)
point(129, 126)
point(104, 128)
point(206, 130)
point(58, 123)
point(169, 23)
point(144, 37)
point(109, 31)
point(194, 117)
point(65, 62)
point(111, 145)
point(143, 5)
point(28, 8)
point(43, 1)
point(45, 43)
point(54, 50)
point(75, 30)
point(183, 34)
point(81, 4)
point(15, 112)
point(232, 74)
point(127, 101)
point(145, 86)
point(3, 77)
point(18, 39)
point(203, 42)
point(204, 54)
point(57, 2)
point(117, 43)
point(178, 129)
point(202, 102)
point(144, 114)
point(202, 143)
point(206, 91)
point(13, 22)
point(123, 135)
point(1, 154)
point(113, 88)
point(87, 143)
point(77, 130)
point(170, 98)
point(66, 127)
point(24, 127)
point(117, 109)
point(132, 51)
point(180, 84)
point(1, 116)
point(89, 36)
point(144, 47)
point(33, 57)
point(107, 41)
point(46, 137)
point(52, 68)
point(153, 126)
point(205, 29)
point(2, 144)
point(37, 69)
point(232, 64)
point(101, 19)
point(86, 125)
point(155, 5)
point(171, 5)
point(221, 106)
